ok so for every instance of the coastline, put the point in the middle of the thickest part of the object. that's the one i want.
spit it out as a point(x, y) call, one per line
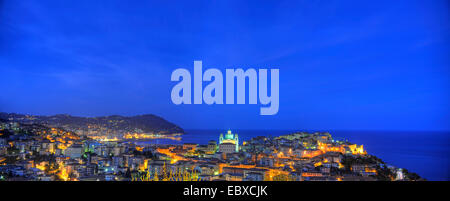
point(415, 151)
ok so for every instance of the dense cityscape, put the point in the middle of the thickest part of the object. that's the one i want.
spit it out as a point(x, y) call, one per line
point(35, 150)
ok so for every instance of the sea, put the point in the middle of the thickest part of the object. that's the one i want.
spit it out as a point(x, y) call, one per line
point(425, 153)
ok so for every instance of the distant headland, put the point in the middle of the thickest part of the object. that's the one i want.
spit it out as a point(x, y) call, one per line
point(109, 126)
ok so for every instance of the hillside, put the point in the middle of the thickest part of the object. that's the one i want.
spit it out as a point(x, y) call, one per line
point(111, 125)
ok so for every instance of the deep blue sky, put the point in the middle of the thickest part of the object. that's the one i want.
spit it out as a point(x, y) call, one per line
point(379, 65)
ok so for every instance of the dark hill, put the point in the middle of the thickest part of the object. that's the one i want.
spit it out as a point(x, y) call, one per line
point(113, 125)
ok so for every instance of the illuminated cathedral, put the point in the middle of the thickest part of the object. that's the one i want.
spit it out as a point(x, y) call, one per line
point(230, 138)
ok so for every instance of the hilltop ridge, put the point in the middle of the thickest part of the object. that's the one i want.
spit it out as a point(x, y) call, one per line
point(112, 125)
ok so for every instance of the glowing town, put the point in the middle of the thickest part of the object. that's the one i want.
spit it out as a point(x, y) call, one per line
point(41, 153)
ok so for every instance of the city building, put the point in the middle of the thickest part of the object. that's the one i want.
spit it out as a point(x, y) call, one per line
point(227, 148)
point(212, 146)
point(74, 151)
point(229, 138)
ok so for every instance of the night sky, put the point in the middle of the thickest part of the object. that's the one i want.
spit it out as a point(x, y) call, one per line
point(356, 65)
